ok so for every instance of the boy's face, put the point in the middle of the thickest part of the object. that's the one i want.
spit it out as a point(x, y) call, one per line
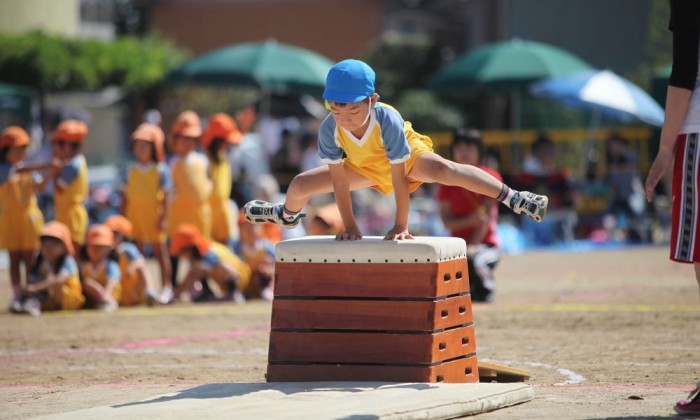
point(52, 248)
point(59, 149)
point(466, 153)
point(353, 116)
point(16, 154)
point(97, 253)
point(142, 151)
point(183, 145)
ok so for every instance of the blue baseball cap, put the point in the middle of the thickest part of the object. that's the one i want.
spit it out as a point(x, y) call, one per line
point(349, 81)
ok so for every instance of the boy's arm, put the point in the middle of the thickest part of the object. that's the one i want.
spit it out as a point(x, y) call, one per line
point(341, 190)
point(46, 283)
point(402, 195)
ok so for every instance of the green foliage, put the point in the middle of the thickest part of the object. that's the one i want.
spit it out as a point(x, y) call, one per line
point(402, 62)
point(426, 113)
point(55, 63)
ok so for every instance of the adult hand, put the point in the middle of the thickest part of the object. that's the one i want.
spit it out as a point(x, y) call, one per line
point(398, 233)
point(350, 234)
point(657, 171)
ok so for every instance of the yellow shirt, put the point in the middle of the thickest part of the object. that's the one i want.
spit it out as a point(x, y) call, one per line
point(104, 272)
point(69, 201)
point(221, 255)
point(144, 188)
point(191, 182)
point(388, 140)
point(192, 188)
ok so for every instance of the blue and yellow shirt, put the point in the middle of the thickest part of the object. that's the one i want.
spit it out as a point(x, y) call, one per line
point(388, 140)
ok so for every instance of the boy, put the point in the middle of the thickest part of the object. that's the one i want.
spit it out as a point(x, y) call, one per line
point(367, 144)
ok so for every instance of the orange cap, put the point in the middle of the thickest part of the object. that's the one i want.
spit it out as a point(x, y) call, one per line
point(59, 231)
point(152, 134)
point(99, 235)
point(119, 223)
point(221, 126)
point(188, 236)
point(186, 124)
point(14, 136)
point(73, 131)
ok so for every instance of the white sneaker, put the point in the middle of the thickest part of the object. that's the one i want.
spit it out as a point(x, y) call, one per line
point(529, 203)
point(166, 296)
point(267, 293)
point(32, 306)
point(237, 297)
point(16, 306)
point(258, 211)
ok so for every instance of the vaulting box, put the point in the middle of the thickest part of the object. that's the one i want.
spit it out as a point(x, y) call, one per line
point(372, 310)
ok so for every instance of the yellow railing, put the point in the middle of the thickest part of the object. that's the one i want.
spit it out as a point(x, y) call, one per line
point(572, 146)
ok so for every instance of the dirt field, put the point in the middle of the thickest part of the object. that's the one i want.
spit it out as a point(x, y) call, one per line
point(607, 334)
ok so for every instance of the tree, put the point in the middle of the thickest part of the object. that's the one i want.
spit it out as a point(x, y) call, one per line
point(52, 63)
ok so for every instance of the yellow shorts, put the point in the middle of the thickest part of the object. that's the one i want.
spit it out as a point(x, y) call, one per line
point(75, 217)
point(21, 232)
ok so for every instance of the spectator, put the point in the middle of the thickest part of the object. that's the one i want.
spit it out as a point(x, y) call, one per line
point(136, 282)
point(679, 135)
point(54, 281)
point(220, 134)
point(627, 193)
point(100, 271)
point(473, 217)
point(259, 254)
point(144, 185)
point(209, 259)
point(71, 185)
point(540, 163)
point(20, 217)
point(191, 185)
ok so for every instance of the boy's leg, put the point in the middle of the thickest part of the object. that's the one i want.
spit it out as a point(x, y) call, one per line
point(15, 280)
point(301, 189)
point(430, 167)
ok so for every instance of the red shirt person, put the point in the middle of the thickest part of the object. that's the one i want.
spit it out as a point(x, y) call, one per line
point(473, 217)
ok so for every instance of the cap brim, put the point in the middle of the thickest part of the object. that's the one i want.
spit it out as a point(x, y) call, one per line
point(342, 97)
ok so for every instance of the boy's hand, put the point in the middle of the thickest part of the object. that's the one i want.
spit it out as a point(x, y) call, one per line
point(350, 234)
point(398, 233)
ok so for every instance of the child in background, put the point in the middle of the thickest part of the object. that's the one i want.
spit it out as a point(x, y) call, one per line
point(191, 183)
point(145, 185)
point(71, 184)
point(209, 259)
point(326, 220)
point(54, 281)
point(259, 254)
point(20, 217)
point(101, 274)
point(368, 144)
point(219, 134)
point(136, 281)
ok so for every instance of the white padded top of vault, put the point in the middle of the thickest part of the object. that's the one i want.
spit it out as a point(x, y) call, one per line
point(370, 249)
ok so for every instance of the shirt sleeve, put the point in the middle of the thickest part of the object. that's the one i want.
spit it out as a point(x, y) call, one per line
point(393, 136)
point(5, 172)
point(69, 267)
point(70, 172)
point(685, 25)
point(209, 261)
point(164, 181)
point(132, 252)
point(122, 179)
point(328, 148)
point(114, 274)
